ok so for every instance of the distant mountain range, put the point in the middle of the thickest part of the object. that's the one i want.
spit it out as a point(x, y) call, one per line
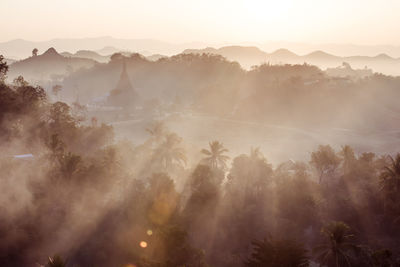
point(104, 45)
point(380, 58)
point(19, 48)
point(249, 56)
point(344, 50)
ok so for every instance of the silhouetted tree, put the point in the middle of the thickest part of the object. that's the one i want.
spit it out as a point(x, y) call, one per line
point(324, 160)
point(60, 116)
point(390, 177)
point(277, 253)
point(338, 249)
point(20, 82)
point(349, 159)
point(390, 186)
point(215, 156)
point(3, 69)
point(35, 52)
point(169, 152)
point(203, 185)
point(250, 174)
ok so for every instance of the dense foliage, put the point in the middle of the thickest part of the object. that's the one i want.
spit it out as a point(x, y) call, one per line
point(98, 202)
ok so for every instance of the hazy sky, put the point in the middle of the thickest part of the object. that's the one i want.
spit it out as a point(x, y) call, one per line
point(214, 21)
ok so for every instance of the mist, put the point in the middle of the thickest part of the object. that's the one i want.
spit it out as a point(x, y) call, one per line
point(154, 149)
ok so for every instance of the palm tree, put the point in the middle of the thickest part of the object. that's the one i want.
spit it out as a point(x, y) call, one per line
point(277, 253)
point(390, 185)
point(337, 250)
point(170, 153)
point(215, 156)
point(390, 177)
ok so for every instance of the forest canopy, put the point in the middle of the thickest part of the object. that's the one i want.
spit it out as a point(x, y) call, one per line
point(74, 195)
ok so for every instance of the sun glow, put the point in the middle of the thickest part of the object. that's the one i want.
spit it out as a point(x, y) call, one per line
point(212, 22)
point(268, 10)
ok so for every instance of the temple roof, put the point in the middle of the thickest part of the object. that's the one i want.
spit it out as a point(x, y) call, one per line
point(124, 82)
point(123, 94)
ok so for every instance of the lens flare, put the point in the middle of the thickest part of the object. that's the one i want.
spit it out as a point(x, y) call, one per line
point(143, 244)
point(149, 232)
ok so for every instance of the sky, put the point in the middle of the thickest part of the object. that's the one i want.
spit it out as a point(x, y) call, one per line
point(366, 22)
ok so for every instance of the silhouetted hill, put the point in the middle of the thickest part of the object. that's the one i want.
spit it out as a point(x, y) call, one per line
point(50, 54)
point(282, 56)
point(88, 54)
point(283, 53)
point(383, 57)
point(344, 50)
point(48, 65)
point(320, 56)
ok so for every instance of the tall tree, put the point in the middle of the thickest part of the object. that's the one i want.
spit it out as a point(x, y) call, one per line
point(215, 156)
point(170, 153)
point(250, 174)
point(349, 159)
point(390, 186)
point(3, 69)
point(338, 248)
point(390, 177)
point(325, 160)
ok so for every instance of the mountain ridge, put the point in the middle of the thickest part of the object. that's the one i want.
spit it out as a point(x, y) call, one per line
point(21, 48)
point(246, 56)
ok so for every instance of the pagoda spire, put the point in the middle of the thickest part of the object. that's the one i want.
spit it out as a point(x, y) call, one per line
point(123, 94)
